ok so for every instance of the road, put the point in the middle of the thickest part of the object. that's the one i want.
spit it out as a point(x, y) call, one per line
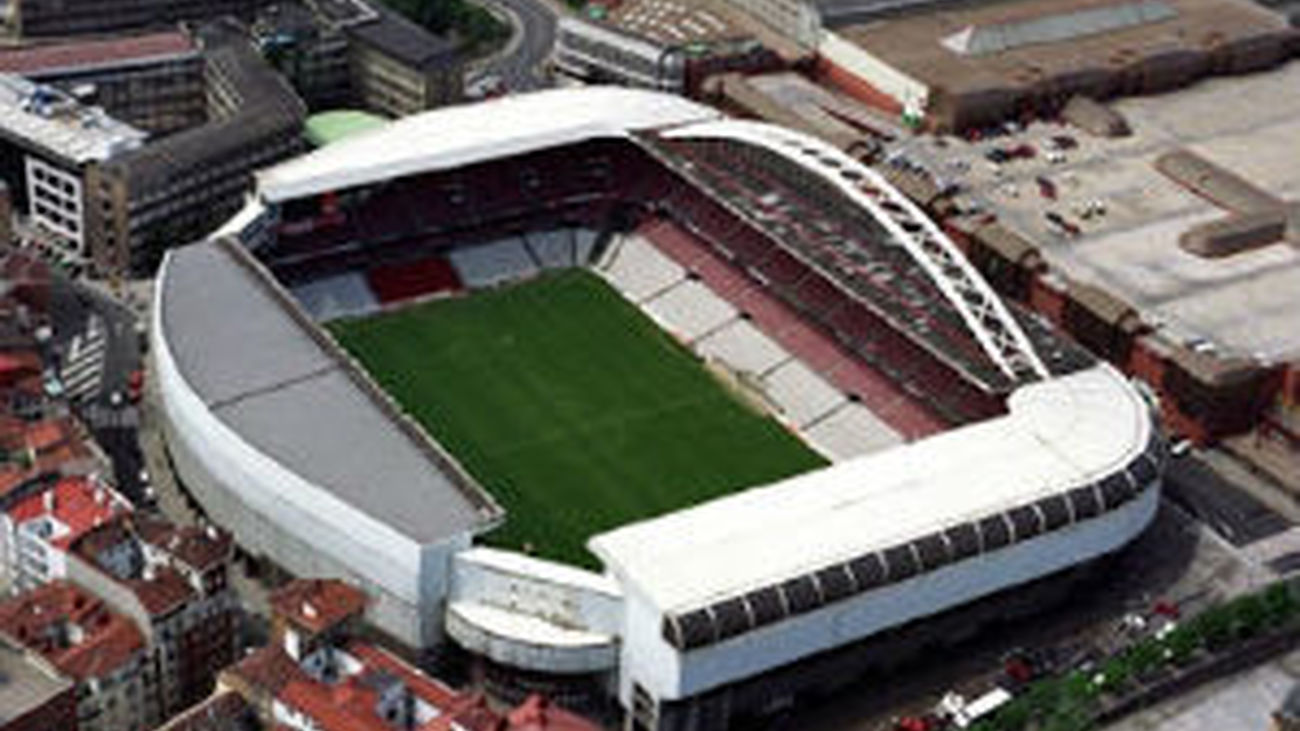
point(105, 368)
point(521, 65)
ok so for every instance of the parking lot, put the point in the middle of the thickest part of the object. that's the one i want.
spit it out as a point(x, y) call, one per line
point(1129, 216)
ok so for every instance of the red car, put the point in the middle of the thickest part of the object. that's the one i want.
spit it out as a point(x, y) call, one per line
point(1046, 188)
point(135, 386)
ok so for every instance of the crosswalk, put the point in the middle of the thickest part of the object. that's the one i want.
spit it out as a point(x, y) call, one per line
point(83, 367)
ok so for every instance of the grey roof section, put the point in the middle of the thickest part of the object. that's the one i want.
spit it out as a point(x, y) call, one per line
point(24, 685)
point(266, 371)
point(402, 39)
point(1051, 28)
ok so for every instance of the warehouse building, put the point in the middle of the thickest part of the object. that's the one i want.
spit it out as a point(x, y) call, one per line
point(969, 66)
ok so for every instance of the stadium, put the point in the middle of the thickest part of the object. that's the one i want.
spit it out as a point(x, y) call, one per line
point(622, 397)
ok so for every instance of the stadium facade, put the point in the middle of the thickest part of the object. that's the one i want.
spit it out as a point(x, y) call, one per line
point(1013, 458)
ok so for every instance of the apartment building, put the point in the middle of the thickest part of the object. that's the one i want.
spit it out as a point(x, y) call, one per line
point(48, 142)
point(176, 189)
point(98, 648)
point(172, 582)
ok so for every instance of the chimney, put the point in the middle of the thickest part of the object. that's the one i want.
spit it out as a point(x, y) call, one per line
point(309, 611)
point(48, 499)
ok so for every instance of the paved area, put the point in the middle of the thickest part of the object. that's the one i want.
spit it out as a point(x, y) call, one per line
point(1247, 304)
point(1243, 701)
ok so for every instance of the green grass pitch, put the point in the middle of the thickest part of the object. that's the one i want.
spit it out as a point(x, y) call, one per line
point(571, 407)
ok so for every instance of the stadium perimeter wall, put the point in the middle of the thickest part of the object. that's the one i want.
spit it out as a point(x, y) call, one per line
point(273, 512)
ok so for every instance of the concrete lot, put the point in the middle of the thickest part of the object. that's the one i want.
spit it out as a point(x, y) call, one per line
point(1248, 304)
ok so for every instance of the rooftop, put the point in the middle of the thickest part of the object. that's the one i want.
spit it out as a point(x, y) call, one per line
point(88, 54)
point(25, 686)
point(261, 367)
point(352, 701)
point(318, 604)
point(393, 35)
point(1017, 43)
point(55, 123)
point(223, 711)
point(198, 548)
point(74, 630)
point(677, 22)
point(71, 507)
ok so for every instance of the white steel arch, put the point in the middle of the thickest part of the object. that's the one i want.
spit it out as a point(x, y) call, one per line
point(987, 318)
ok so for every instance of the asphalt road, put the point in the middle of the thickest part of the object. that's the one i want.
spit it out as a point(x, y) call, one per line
point(113, 427)
point(521, 65)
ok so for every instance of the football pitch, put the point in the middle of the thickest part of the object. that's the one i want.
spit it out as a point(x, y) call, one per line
point(571, 407)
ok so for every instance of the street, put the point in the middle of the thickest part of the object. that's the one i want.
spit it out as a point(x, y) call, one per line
point(520, 65)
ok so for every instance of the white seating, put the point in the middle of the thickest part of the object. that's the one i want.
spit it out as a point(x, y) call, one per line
point(345, 295)
point(486, 265)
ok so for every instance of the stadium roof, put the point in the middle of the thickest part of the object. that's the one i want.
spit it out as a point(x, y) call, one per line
point(465, 134)
point(1059, 434)
point(263, 369)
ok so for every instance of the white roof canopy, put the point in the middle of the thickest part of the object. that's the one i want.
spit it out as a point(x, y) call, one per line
point(460, 135)
point(1059, 434)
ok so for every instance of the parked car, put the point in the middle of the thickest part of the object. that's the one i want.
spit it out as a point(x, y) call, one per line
point(1046, 188)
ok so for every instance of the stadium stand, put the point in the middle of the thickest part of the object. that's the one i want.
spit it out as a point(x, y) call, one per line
point(552, 249)
point(692, 309)
point(402, 281)
point(344, 295)
point(487, 265)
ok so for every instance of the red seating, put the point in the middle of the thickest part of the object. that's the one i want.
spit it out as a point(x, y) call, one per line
point(410, 279)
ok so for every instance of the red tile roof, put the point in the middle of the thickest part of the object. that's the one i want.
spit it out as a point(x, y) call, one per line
point(224, 711)
point(90, 53)
point(268, 668)
point(159, 593)
point(78, 503)
point(539, 714)
point(349, 704)
point(317, 604)
point(47, 620)
point(198, 548)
